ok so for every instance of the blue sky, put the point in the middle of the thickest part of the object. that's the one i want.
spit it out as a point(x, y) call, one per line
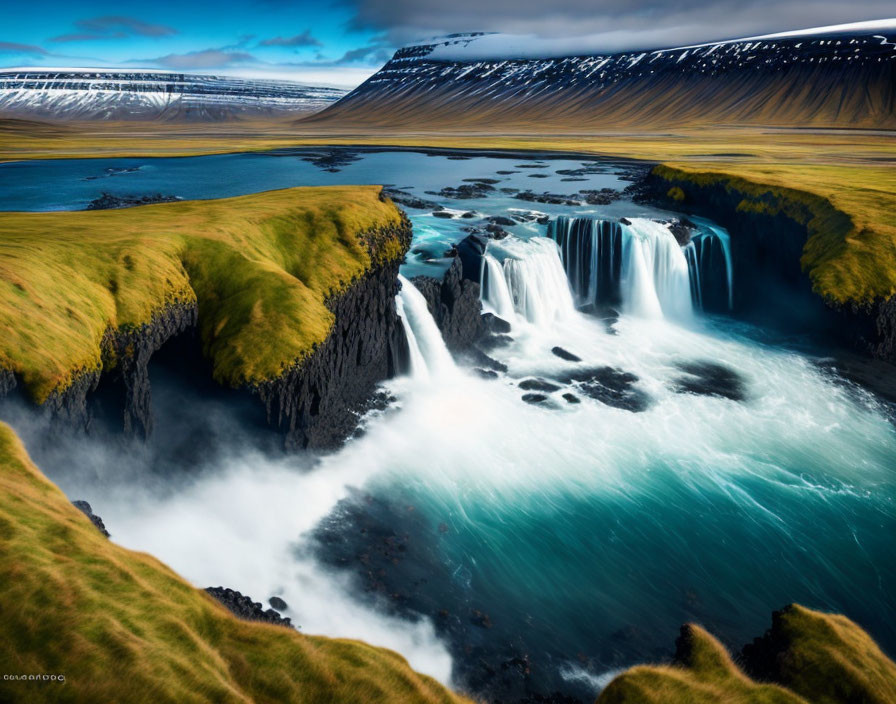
point(341, 42)
point(309, 41)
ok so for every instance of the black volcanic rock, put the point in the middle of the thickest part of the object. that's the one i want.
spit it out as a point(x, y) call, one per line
point(710, 379)
point(277, 603)
point(243, 607)
point(85, 508)
point(564, 354)
point(538, 385)
point(409, 200)
point(610, 386)
point(534, 399)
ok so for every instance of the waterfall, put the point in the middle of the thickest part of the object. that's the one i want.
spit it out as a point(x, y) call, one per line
point(529, 285)
point(427, 351)
point(712, 271)
point(637, 265)
point(495, 294)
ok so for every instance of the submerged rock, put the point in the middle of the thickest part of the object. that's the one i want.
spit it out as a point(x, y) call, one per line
point(243, 607)
point(538, 385)
point(534, 398)
point(571, 398)
point(608, 385)
point(710, 379)
point(85, 508)
point(563, 354)
point(107, 201)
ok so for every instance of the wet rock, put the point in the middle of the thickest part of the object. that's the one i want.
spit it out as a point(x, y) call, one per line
point(551, 198)
point(442, 214)
point(486, 373)
point(84, 508)
point(332, 160)
point(710, 379)
point(409, 200)
point(531, 166)
point(563, 354)
point(243, 607)
point(538, 175)
point(603, 196)
point(468, 215)
point(277, 603)
point(492, 342)
point(107, 201)
point(466, 191)
point(480, 358)
point(501, 220)
point(683, 229)
point(506, 173)
point(610, 386)
point(494, 324)
point(534, 399)
point(571, 398)
point(538, 385)
point(486, 181)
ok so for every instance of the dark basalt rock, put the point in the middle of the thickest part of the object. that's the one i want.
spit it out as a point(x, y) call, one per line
point(534, 399)
point(454, 305)
point(480, 358)
point(243, 607)
point(710, 379)
point(563, 354)
point(277, 603)
point(486, 373)
point(409, 200)
point(683, 229)
point(501, 220)
point(610, 386)
point(603, 196)
point(494, 324)
point(331, 160)
point(571, 398)
point(7, 382)
point(552, 198)
point(538, 175)
point(486, 181)
point(317, 402)
point(491, 341)
point(538, 385)
point(107, 201)
point(442, 214)
point(465, 191)
point(84, 508)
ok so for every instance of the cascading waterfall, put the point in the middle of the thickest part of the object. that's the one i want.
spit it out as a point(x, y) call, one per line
point(427, 351)
point(530, 285)
point(639, 266)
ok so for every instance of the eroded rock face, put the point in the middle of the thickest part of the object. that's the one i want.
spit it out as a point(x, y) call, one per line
point(454, 305)
point(317, 403)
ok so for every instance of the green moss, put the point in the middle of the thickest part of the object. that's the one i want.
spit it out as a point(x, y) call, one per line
point(260, 268)
point(849, 258)
point(122, 627)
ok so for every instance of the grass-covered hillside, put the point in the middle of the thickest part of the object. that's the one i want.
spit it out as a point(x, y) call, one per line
point(807, 657)
point(122, 627)
point(260, 268)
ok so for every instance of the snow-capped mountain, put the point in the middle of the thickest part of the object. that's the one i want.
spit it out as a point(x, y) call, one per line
point(843, 76)
point(103, 94)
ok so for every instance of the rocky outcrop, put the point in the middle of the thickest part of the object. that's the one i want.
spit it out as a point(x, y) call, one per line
point(107, 201)
point(454, 304)
point(243, 607)
point(85, 508)
point(317, 402)
point(769, 228)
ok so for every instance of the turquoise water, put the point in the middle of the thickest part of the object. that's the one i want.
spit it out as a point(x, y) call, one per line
point(575, 537)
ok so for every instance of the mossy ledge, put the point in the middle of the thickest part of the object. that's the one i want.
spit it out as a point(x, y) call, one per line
point(806, 657)
point(92, 295)
point(842, 264)
point(122, 627)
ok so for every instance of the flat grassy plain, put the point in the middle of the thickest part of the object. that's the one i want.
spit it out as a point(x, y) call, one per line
point(260, 268)
point(122, 627)
point(855, 170)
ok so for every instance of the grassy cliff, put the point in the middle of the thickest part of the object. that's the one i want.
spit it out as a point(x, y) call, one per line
point(806, 657)
point(260, 268)
point(122, 627)
point(850, 250)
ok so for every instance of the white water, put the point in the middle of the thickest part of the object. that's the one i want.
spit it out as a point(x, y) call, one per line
point(655, 279)
point(534, 288)
point(428, 353)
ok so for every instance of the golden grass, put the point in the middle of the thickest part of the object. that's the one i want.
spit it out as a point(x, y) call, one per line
point(260, 267)
point(827, 659)
point(122, 627)
point(854, 169)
